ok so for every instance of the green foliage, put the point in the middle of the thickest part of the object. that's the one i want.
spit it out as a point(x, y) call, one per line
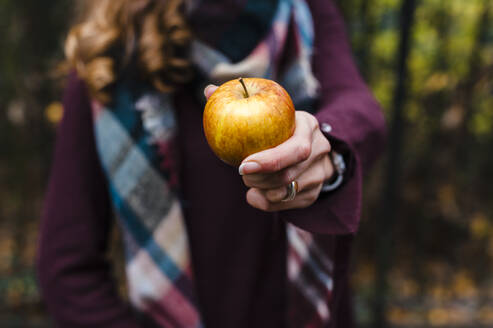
point(446, 211)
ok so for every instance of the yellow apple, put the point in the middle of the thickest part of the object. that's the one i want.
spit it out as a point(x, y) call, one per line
point(245, 116)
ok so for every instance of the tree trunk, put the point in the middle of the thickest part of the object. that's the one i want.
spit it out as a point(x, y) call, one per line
point(391, 193)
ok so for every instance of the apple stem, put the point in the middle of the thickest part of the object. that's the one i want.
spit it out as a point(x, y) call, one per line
point(244, 87)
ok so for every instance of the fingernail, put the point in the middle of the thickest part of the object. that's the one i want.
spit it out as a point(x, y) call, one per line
point(207, 88)
point(248, 167)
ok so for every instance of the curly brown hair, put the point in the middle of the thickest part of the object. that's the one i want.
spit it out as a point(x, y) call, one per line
point(111, 34)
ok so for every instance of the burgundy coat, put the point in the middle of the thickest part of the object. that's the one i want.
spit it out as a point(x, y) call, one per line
point(238, 252)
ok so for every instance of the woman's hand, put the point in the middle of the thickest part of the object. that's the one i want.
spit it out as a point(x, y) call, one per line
point(302, 158)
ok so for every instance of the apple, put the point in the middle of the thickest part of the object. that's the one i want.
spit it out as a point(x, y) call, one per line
point(245, 116)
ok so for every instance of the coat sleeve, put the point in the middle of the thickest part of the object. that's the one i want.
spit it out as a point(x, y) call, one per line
point(358, 126)
point(73, 272)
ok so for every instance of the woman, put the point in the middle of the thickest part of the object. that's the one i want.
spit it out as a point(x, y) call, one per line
point(205, 246)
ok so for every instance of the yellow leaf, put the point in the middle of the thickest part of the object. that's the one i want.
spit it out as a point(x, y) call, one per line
point(479, 226)
point(54, 112)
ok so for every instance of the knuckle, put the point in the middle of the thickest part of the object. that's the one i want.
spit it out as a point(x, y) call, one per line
point(247, 182)
point(287, 176)
point(310, 120)
point(304, 150)
point(322, 149)
point(326, 145)
point(314, 122)
point(257, 200)
point(318, 179)
point(274, 164)
point(274, 195)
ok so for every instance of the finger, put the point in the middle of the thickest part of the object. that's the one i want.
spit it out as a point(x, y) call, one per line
point(256, 199)
point(276, 195)
point(320, 148)
point(292, 151)
point(209, 90)
point(314, 176)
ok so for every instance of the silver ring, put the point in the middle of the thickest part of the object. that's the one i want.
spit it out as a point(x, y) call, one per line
point(292, 190)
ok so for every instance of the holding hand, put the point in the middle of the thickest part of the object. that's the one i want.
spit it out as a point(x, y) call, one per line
point(298, 167)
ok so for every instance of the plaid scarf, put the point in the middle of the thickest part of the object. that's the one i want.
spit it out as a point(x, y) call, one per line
point(134, 137)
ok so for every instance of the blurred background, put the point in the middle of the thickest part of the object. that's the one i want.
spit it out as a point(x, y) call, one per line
point(424, 254)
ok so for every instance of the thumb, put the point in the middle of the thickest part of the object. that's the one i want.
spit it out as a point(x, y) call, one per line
point(209, 90)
